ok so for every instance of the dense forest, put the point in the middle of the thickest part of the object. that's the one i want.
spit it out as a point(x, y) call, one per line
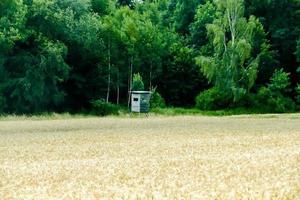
point(213, 54)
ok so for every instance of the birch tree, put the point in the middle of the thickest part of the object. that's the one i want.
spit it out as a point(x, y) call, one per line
point(232, 67)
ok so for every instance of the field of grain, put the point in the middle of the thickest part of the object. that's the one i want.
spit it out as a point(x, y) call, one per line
point(188, 157)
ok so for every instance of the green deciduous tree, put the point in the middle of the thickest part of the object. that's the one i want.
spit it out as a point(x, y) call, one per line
point(298, 94)
point(233, 66)
point(281, 20)
point(181, 79)
point(33, 64)
point(205, 14)
point(274, 97)
point(183, 14)
point(129, 3)
point(298, 55)
point(137, 83)
point(61, 55)
point(12, 22)
point(35, 76)
point(102, 7)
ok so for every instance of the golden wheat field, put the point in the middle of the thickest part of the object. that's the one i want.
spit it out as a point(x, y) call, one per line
point(184, 157)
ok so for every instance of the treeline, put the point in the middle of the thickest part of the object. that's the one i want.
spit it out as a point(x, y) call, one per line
point(62, 55)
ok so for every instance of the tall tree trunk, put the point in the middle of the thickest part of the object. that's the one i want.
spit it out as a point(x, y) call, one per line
point(109, 70)
point(118, 86)
point(150, 78)
point(128, 84)
point(130, 80)
point(131, 71)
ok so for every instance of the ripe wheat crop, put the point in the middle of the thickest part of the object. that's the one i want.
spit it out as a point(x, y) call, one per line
point(189, 157)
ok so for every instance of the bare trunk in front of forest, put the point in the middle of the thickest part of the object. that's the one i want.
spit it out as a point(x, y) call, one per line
point(150, 78)
point(109, 70)
point(118, 86)
point(130, 81)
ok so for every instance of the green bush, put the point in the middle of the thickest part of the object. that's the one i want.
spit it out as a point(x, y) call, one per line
point(263, 96)
point(102, 108)
point(282, 104)
point(2, 104)
point(280, 82)
point(248, 101)
point(279, 88)
point(274, 102)
point(274, 97)
point(157, 101)
point(212, 99)
point(298, 94)
point(137, 84)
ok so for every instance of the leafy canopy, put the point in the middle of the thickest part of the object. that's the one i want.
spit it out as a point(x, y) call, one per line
point(232, 67)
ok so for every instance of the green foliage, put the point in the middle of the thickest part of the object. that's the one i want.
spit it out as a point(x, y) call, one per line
point(298, 94)
point(205, 14)
point(77, 6)
point(274, 97)
point(2, 103)
point(282, 104)
point(32, 65)
point(181, 78)
point(212, 99)
point(129, 3)
point(280, 82)
point(298, 55)
point(59, 55)
point(102, 108)
point(12, 21)
point(102, 7)
point(34, 84)
point(281, 21)
point(274, 102)
point(156, 100)
point(232, 67)
point(298, 70)
point(183, 14)
point(137, 83)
